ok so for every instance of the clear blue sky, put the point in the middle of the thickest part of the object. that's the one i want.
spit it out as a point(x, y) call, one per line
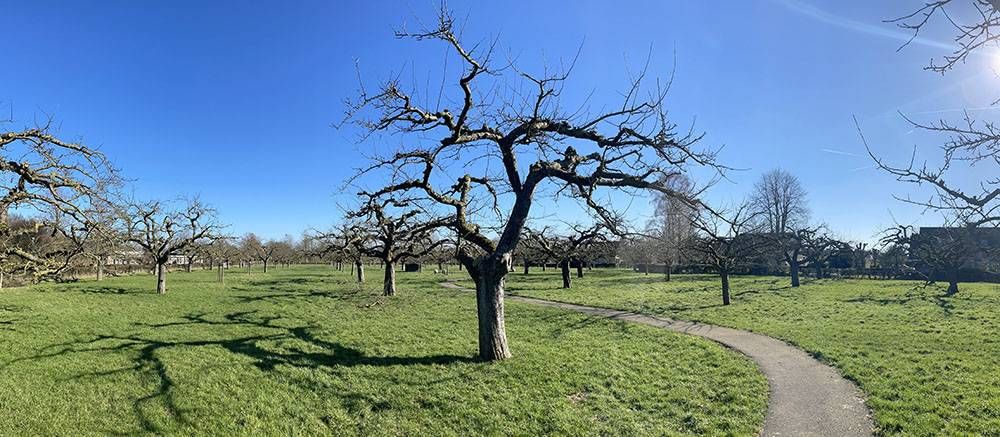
point(234, 101)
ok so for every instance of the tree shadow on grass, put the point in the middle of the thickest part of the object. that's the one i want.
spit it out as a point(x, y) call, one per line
point(940, 299)
point(7, 321)
point(278, 345)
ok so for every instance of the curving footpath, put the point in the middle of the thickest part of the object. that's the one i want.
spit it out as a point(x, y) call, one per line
point(807, 398)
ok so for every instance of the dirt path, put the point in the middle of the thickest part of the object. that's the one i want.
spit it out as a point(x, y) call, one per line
point(807, 398)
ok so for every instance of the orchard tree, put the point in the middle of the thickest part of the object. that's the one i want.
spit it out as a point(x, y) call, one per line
point(163, 230)
point(52, 185)
point(223, 250)
point(391, 231)
point(346, 241)
point(565, 248)
point(532, 140)
point(727, 238)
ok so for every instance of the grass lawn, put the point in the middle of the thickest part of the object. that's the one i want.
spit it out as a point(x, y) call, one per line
point(303, 350)
point(929, 364)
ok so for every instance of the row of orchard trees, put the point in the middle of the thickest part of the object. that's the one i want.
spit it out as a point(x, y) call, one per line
point(62, 211)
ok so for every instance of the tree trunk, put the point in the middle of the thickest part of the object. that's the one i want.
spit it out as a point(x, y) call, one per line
point(819, 271)
point(564, 267)
point(161, 278)
point(359, 267)
point(527, 265)
point(952, 283)
point(389, 282)
point(189, 265)
point(265, 266)
point(579, 269)
point(793, 266)
point(222, 275)
point(645, 268)
point(249, 268)
point(725, 287)
point(100, 269)
point(490, 311)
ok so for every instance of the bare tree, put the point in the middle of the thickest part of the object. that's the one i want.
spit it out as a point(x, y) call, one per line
point(782, 207)
point(672, 224)
point(726, 239)
point(630, 147)
point(392, 231)
point(345, 241)
point(937, 255)
point(966, 143)
point(52, 183)
point(564, 248)
point(223, 250)
point(162, 231)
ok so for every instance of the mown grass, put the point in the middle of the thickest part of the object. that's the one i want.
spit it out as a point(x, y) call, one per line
point(930, 364)
point(303, 350)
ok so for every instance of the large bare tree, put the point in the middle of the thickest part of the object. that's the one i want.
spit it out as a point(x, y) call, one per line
point(162, 231)
point(782, 207)
point(51, 184)
point(509, 144)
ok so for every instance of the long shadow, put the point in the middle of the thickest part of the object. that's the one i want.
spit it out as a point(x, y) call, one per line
point(147, 348)
point(941, 300)
point(7, 323)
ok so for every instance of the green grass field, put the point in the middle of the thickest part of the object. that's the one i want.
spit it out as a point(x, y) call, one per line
point(929, 364)
point(303, 350)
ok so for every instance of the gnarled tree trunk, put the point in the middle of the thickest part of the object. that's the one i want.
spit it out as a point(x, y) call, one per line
point(793, 267)
point(359, 269)
point(389, 282)
point(161, 278)
point(564, 267)
point(489, 306)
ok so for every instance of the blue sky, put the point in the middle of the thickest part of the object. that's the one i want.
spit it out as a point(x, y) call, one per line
point(235, 101)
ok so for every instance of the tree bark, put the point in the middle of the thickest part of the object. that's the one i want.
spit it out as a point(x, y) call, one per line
point(265, 266)
point(579, 269)
point(100, 269)
point(490, 312)
point(645, 268)
point(793, 266)
point(161, 278)
point(359, 268)
point(389, 281)
point(952, 283)
point(189, 265)
point(564, 267)
point(222, 275)
point(527, 265)
point(725, 287)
